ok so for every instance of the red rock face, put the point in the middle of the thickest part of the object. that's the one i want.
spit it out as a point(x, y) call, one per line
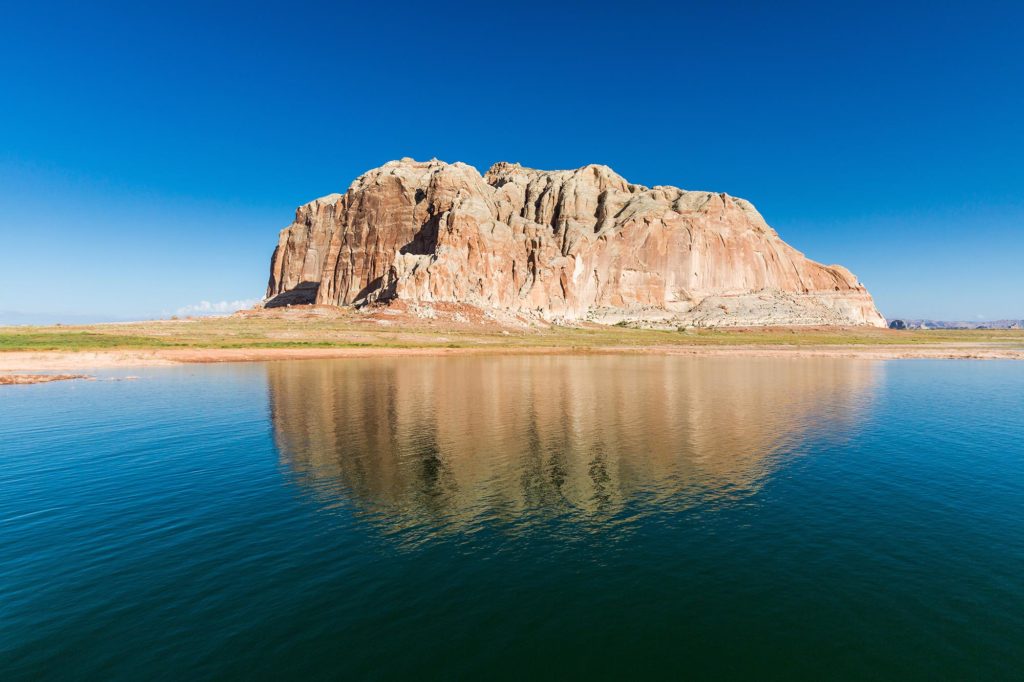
point(566, 245)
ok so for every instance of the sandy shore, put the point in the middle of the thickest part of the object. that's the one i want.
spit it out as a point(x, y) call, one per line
point(19, 379)
point(29, 361)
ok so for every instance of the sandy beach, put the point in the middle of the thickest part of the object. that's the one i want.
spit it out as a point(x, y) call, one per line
point(50, 361)
point(321, 332)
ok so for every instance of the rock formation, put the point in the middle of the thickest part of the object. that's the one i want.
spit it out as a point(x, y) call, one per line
point(573, 245)
point(949, 324)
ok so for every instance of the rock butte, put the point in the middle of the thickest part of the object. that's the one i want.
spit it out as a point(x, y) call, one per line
point(571, 245)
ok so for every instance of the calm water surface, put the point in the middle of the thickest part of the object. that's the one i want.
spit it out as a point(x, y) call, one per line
point(517, 517)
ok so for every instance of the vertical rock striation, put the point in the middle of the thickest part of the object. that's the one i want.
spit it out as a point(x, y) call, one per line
point(565, 245)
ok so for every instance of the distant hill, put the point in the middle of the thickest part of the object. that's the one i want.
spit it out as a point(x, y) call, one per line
point(19, 318)
point(940, 324)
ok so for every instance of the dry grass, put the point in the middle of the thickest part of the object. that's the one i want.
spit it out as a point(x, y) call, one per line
point(350, 329)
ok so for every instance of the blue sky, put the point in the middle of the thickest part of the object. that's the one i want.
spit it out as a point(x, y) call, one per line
point(149, 155)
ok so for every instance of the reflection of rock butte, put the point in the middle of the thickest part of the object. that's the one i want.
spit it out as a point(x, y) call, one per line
point(460, 437)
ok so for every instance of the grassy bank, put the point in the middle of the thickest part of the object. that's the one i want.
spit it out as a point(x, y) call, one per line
point(355, 331)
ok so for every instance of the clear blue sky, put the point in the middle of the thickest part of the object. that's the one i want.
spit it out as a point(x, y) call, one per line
point(149, 156)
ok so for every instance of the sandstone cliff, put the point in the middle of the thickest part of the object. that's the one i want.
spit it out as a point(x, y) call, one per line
point(582, 244)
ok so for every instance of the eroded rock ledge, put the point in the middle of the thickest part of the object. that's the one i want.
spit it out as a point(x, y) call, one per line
point(571, 245)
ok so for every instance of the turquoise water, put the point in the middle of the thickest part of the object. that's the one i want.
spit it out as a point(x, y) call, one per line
point(516, 517)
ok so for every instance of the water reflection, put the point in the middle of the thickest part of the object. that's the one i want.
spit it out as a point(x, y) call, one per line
point(446, 442)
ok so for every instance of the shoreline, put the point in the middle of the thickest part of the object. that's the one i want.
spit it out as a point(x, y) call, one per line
point(30, 361)
point(23, 379)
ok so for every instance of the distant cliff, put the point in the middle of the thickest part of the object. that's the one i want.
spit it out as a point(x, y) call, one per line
point(943, 324)
point(572, 245)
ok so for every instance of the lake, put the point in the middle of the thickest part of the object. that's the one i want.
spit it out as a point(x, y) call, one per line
point(505, 517)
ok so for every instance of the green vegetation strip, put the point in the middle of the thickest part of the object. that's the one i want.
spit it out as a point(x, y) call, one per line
point(75, 341)
point(234, 333)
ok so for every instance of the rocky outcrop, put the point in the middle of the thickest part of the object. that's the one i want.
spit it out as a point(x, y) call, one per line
point(573, 245)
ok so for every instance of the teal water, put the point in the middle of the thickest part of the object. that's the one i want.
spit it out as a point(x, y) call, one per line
point(516, 518)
